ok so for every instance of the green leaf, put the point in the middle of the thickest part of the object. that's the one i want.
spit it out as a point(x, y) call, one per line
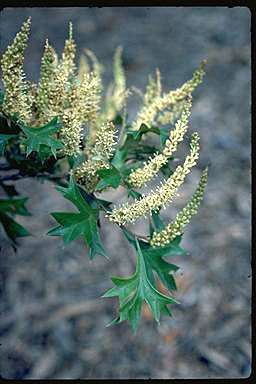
point(158, 224)
point(108, 178)
point(137, 135)
point(171, 249)
point(14, 206)
point(165, 169)
point(119, 158)
point(1, 97)
point(76, 160)
point(84, 223)
point(118, 120)
point(134, 194)
point(42, 136)
point(154, 256)
point(131, 150)
point(4, 139)
point(135, 290)
point(162, 268)
point(93, 201)
point(13, 230)
point(9, 124)
point(164, 135)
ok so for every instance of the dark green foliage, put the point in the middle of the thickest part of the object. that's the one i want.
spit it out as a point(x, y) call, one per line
point(9, 208)
point(137, 135)
point(141, 287)
point(84, 223)
point(41, 139)
point(4, 139)
point(108, 178)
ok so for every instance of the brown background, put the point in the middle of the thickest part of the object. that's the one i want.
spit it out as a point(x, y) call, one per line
point(52, 322)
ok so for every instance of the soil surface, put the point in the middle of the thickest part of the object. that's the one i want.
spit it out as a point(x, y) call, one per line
point(53, 321)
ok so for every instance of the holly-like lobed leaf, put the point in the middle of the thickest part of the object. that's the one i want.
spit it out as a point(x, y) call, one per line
point(108, 178)
point(4, 139)
point(8, 208)
point(164, 135)
point(84, 223)
point(9, 124)
point(36, 137)
point(12, 229)
point(134, 194)
point(139, 288)
point(14, 206)
point(155, 223)
point(137, 135)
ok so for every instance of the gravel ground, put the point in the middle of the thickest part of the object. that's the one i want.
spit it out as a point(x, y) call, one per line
point(52, 322)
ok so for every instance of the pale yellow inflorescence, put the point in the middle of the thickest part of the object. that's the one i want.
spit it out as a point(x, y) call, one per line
point(58, 93)
point(68, 55)
point(99, 156)
point(49, 78)
point(16, 98)
point(129, 213)
point(150, 168)
point(169, 117)
point(90, 91)
point(154, 88)
point(175, 228)
point(117, 93)
point(157, 104)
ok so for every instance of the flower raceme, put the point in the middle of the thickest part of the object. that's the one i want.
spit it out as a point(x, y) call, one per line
point(13, 77)
point(164, 194)
point(140, 176)
point(176, 227)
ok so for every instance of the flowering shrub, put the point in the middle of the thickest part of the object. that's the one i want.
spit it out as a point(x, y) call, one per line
point(64, 122)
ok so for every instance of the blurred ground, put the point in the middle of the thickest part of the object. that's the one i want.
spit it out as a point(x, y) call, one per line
point(52, 322)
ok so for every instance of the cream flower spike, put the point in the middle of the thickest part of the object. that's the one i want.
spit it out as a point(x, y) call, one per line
point(150, 110)
point(47, 73)
point(100, 154)
point(140, 176)
point(68, 55)
point(83, 107)
point(175, 228)
point(13, 77)
point(129, 213)
point(117, 93)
